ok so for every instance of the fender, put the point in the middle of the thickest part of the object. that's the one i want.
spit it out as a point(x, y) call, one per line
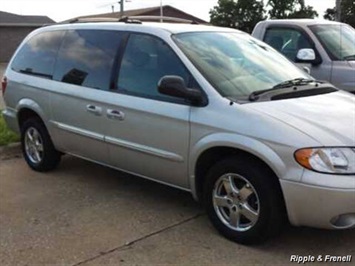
point(241, 142)
point(27, 103)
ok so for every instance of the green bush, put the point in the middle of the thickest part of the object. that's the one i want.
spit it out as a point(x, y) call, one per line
point(6, 135)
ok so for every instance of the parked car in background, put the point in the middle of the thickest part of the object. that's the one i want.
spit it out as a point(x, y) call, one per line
point(208, 110)
point(326, 47)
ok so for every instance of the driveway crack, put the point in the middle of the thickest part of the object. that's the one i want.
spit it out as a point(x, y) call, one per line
point(129, 245)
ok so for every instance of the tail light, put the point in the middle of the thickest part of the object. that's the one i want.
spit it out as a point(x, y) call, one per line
point(3, 85)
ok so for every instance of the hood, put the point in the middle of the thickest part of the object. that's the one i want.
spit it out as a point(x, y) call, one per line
point(329, 118)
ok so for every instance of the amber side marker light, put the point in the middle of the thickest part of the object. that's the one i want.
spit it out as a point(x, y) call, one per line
point(303, 156)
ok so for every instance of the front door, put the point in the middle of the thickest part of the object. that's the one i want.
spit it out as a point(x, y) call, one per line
point(148, 133)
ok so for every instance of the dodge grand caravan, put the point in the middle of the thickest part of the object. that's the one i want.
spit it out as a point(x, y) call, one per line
point(209, 110)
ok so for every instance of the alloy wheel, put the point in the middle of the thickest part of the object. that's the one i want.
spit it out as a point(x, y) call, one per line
point(236, 202)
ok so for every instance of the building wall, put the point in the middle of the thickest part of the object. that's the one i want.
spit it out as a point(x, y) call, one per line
point(10, 38)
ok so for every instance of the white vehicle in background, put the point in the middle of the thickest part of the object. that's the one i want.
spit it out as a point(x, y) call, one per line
point(326, 47)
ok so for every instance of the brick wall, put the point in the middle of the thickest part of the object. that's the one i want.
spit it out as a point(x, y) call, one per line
point(10, 38)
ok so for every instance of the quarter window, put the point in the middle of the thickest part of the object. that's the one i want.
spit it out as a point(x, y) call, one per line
point(86, 58)
point(146, 60)
point(37, 56)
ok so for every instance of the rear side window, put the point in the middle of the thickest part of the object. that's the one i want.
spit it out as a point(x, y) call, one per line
point(37, 55)
point(86, 58)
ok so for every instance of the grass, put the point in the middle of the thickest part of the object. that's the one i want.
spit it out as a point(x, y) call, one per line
point(6, 135)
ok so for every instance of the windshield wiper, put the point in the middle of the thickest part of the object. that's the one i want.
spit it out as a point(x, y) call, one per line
point(285, 84)
point(349, 57)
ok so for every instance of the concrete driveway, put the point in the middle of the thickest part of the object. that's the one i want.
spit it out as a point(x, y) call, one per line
point(86, 214)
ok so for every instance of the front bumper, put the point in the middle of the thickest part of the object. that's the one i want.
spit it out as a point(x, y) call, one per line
point(322, 201)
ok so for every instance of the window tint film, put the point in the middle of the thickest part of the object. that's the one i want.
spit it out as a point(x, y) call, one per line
point(86, 58)
point(287, 41)
point(37, 56)
point(146, 60)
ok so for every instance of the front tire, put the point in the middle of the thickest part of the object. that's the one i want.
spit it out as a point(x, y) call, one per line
point(37, 147)
point(243, 201)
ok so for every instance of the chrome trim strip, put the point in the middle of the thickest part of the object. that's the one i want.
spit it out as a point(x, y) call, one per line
point(131, 173)
point(79, 131)
point(145, 149)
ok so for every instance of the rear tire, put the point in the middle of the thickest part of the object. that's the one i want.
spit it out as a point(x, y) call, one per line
point(37, 146)
point(243, 200)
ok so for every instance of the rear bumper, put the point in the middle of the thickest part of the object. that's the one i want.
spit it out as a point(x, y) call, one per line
point(10, 116)
point(320, 206)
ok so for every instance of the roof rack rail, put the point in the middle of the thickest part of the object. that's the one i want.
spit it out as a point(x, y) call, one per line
point(88, 20)
point(139, 19)
point(130, 19)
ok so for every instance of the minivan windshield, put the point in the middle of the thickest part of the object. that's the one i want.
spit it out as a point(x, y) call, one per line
point(235, 63)
point(338, 40)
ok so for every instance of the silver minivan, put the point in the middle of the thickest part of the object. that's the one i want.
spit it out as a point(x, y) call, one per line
point(208, 110)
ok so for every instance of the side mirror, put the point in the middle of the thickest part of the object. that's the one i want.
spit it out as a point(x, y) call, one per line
point(307, 55)
point(175, 86)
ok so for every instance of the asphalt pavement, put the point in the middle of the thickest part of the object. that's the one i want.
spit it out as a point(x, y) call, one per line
point(87, 214)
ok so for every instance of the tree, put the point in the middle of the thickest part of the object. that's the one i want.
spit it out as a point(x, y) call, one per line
point(304, 11)
point(347, 12)
point(280, 8)
point(240, 14)
point(329, 14)
point(283, 9)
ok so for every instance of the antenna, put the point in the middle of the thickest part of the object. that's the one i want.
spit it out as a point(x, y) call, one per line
point(112, 5)
point(122, 6)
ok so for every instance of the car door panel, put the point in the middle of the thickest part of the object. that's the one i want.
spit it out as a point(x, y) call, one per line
point(83, 75)
point(147, 132)
point(76, 128)
point(151, 140)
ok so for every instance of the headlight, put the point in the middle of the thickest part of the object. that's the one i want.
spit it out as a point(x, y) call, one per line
point(327, 160)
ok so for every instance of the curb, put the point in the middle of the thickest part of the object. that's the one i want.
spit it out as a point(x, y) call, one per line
point(12, 150)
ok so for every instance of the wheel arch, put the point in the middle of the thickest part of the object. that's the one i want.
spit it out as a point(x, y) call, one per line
point(219, 146)
point(28, 108)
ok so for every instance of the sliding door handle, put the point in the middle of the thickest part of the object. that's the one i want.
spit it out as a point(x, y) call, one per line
point(94, 109)
point(115, 114)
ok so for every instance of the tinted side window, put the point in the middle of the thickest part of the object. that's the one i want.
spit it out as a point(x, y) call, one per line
point(86, 58)
point(287, 41)
point(145, 61)
point(37, 56)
